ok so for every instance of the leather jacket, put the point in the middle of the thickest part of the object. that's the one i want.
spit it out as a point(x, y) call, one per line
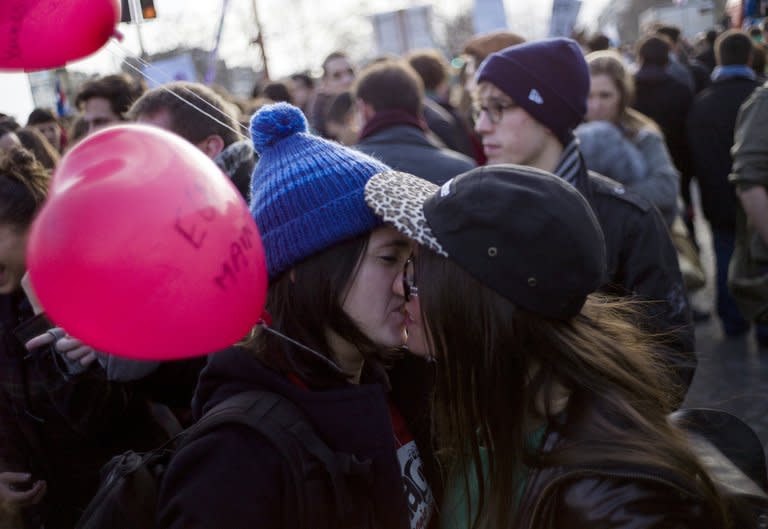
point(608, 498)
point(635, 496)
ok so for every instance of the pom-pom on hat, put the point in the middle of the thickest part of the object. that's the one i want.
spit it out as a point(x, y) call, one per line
point(306, 192)
point(549, 78)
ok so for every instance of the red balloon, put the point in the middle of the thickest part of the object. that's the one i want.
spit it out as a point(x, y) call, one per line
point(144, 249)
point(41, 34)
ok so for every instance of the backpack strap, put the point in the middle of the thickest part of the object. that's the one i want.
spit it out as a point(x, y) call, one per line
point(287, 428)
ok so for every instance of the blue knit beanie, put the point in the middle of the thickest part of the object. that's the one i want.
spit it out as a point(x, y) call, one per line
point(549, 78)
point(307, 193)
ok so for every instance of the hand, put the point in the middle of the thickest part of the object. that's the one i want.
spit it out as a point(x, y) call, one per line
point(65, 345)
point(9, 497)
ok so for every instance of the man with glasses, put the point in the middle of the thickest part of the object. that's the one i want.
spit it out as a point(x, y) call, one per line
point(528, 100)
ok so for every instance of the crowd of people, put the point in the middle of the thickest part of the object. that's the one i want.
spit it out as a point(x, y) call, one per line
point(479, 289)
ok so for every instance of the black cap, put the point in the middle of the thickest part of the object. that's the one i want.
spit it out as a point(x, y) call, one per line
point(522, 232)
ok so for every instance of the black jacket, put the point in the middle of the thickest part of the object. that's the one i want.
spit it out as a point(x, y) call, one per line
point(233, 478)
point(406, 148)
point(62, 428)
point(643, 263)
point(447, 125)
point(665, 100)
point(711, 124)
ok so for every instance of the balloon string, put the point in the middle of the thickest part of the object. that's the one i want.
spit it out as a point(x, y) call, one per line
point(242, 132)
point(325, 359)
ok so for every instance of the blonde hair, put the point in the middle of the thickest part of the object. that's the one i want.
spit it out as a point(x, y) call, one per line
point(610, 63)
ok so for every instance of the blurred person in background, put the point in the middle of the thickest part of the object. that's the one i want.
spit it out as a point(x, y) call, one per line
point(338, 76)
point(302, 89)
point(711, 126)
point(105, 100)
point(441, 117)
point(46, 121)
point(389, 96)
point(341, 120)
point(174, 107)
point(277, 91)
point(34, 141)
point(666, 100)
point(621, 143)
point(598, 42)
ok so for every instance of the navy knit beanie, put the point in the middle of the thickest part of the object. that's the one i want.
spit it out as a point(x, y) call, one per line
point(306, 192)
point(549, 78)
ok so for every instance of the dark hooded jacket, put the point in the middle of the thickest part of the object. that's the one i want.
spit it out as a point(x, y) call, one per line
point(62, 427)
point(233, 478)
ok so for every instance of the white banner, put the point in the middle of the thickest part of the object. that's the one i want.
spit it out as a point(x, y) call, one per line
point(401, 31)
point(489, 15)
point(178, 68)
point(564, 15)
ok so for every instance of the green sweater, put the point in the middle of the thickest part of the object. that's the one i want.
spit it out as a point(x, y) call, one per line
point(454, 509)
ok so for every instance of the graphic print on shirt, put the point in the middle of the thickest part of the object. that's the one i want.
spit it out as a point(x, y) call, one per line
point(417, 491)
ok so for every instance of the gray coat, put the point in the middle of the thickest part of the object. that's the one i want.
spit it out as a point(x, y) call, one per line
point(642, 165)
point(408, 149)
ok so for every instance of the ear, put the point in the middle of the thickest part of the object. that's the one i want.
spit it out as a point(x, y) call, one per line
point(292, 275)
point(364, 110)
point(211, 146)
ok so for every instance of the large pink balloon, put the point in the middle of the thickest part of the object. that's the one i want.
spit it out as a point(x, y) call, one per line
point(40, 34)
point(144, 249)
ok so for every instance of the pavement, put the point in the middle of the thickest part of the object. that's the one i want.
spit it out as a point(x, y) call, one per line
point(732, 374)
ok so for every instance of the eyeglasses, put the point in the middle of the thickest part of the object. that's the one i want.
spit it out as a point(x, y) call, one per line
point(409, 279)
point(494, 109)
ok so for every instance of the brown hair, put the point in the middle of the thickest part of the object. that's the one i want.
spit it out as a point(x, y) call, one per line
point(654, 49)
point(431, 66)
point(733, 47)
point(41, 115)
point(481, 46)
point(389, 85)
point(121, 90)
point(23, 187)
point(34, 141)
point(178, 100)
point(610, 63)
point(497, 364)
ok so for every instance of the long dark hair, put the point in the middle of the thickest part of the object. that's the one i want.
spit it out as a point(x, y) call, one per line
point(499, 368)
point(304, 304)
point(23, 187)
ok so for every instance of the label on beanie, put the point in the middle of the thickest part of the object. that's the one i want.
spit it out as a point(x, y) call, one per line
point(535, 96)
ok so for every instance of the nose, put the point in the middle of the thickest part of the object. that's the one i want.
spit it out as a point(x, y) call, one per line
point(397, 284)
point(483, 124)
point(592, 108)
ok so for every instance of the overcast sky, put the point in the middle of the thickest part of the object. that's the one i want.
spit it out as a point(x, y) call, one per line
point(296, 38)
